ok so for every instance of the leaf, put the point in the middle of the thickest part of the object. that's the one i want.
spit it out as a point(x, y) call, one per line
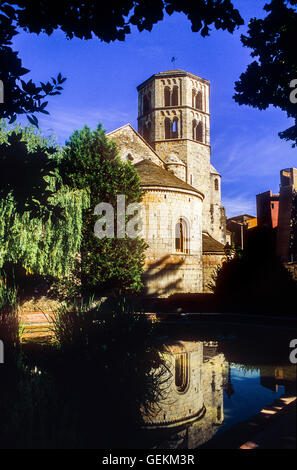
point(33, 120)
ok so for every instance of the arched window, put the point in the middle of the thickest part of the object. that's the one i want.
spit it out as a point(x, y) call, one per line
point(216, 184)
point(182, 238)
point(193, 97)
point(181, 372)
point(147, 132)
point(166, 96)
point(146, 104)
point(167, 124)
point(175, 96)
point(198, 100)
point(194, 124)
point(199, 132)
point(174, 134)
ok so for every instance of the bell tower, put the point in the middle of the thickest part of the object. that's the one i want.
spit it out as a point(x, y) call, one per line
point(173, 117)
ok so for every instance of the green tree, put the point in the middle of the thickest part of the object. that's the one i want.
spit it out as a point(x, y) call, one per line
point(267, 79)
point(40, 218)
point(91, 163)
point(85, 20)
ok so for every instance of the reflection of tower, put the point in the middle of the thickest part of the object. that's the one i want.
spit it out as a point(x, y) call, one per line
point(229, 389)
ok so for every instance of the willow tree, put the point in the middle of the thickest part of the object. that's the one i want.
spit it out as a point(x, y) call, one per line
point(91, 163)
point(40, 218)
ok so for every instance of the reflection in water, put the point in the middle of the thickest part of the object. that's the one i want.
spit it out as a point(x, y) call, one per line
point(191, 408)
point(229, 389)
point(273, 378)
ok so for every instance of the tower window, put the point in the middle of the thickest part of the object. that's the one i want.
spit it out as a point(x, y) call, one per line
point(171, 96)
point(194, 124)
point(182, 238)
point(198, 100)
point(216, 184)
point(174, 134)
point(181, 372)
point(193, 97)
point(147, 132)
point(167, 124)
point(167, 96)
point(146, 103)
point(199, 132)
point(175, 96)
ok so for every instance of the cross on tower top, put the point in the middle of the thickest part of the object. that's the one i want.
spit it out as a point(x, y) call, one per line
point(173, 60)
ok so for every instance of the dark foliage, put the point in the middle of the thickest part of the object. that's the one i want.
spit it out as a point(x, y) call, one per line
point(257, 280)
point(85, 20)
point(267, 79)
point(20, 96)
point(23, 175)
point(87, 391)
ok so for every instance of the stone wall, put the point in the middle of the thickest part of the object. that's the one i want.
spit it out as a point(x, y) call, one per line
point(211, 262)
point(132, 147)
point(167, 271)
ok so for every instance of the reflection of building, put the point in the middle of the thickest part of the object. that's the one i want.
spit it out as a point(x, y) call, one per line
point(272, 377)
point(192, 403)
point(183, 219)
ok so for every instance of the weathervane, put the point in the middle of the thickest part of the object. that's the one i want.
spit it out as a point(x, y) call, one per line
point(173, 60)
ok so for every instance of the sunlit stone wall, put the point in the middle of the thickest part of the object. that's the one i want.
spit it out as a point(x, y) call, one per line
point(167, 271)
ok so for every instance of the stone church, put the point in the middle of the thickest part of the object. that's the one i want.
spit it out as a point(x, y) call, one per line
point(183, 221)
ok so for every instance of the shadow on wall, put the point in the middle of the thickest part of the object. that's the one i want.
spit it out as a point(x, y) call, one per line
point(161, 278)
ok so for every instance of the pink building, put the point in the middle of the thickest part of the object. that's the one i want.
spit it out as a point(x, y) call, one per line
point(274, 211)
point(267, 209)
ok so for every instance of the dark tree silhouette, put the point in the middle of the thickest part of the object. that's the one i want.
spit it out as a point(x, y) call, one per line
point(267, 79)
point(85, 20)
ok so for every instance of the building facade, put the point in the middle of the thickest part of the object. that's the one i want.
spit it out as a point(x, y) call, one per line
point(183, 219)
point(274, 212)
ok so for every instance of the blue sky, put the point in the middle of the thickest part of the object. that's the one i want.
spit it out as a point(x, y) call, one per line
point(101, 87)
